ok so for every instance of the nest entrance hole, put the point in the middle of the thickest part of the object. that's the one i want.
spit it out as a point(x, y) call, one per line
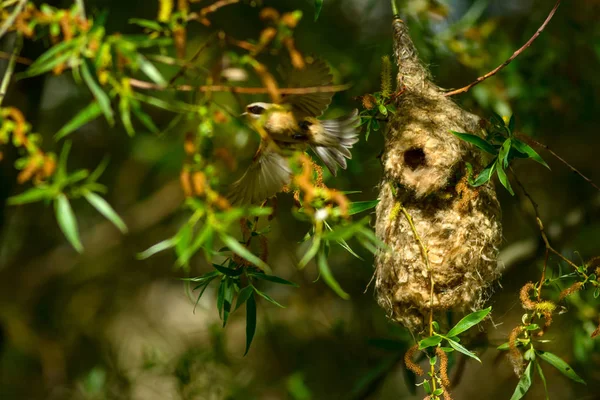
point(415, 158)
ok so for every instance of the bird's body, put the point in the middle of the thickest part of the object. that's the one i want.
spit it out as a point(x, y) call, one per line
point(290, 127)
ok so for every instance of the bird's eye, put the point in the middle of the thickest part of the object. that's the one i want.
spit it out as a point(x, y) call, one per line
point(256, 110)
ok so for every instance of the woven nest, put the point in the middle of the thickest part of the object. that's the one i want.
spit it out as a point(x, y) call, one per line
point(424, 175)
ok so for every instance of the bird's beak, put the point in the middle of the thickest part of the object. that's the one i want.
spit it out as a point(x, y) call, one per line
point(244, 113)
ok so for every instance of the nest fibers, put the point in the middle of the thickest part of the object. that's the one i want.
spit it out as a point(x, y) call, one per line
point(424, 172)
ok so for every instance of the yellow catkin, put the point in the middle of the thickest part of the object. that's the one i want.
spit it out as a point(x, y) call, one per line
point(514, 354)
point(386, 77)
point(410, 363)
point(570, 290)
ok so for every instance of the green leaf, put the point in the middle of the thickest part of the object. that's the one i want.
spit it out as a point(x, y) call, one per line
point(427, 387)
point(157, 248)
point(524, 384)
point(477, 142)
point(89, 113)
point(125, 110)
point(143, 117)
point(244, 295)
point(67, 222)
point(146, 23)
point(250, 321)
point(61, 169)
point(228, 300)
point(267, 297)
point(46, 66)
point(151, 71)
point(93, 177)
point(468, 322)
point(228, 271)
point(312, 251)
point(504, 180)
point(328, 276)
point(360, 206)
point(32, 195)
point(101, 97)
point(430, 341)
point(169, 105)
point(318, 7)
point(382, 110)
point(203, 278)
point(560, 365)
point(504, 152)
point(105, 209)
point(526, 149)
point(458, 347)
point(511, 123)
point(272, 278)
point(243, 252)
point(541, 374)
point(485, 175)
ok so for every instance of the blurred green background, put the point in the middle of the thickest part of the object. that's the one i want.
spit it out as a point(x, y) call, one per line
point(104, 325)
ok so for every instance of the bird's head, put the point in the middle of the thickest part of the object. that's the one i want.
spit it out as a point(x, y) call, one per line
point(255, 110)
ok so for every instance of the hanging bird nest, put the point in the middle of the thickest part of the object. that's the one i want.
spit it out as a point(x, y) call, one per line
point(438, 228)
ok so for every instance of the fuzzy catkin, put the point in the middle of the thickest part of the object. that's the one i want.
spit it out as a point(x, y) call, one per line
point(424, 172)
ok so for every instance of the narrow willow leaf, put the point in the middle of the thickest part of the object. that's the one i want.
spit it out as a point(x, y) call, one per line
point(250, 321)
point(67, 222)
point(272, 278)
point(228, 271)
point(89, 113)
point(125, 110)
point(459, 347)
point(32, 195)
point(267, 297)
point(526, 149)
point(524, 384)
point(204, 286)
point(157, 248)
point(170, 105)
point(244, 295)
point(485, 175)
point(468, 321)
point(318, 7)
point(52, 54)
point(228, 300)
point(105, 209)
point(243, 252)
point(504, 152)
point(430, 341)
point(360, 206)
point(477, 142)
point(203, 278)
point(150, 70)
point(221, 297)
point(511, 123)
point(560, 365)
point(144, 118)
point(427, 387)
point(541, 374)
point(93, 177)
point(312, 251)
point(504, 180)
point(146, 23)
point(101, 97)
point(328, 276)
point(42, 68)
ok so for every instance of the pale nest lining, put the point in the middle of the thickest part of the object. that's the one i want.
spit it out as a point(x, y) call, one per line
point(459, 225)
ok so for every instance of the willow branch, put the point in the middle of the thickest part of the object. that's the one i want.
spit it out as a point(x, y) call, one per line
point(505, 63)
point(237, 89)
point(559, 158)
point(11, 67)
point(8, 22)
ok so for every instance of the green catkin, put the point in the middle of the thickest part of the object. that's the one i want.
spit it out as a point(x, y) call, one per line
point(386, 77)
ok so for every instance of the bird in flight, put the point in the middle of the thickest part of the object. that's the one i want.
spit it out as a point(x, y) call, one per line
point(292, 126)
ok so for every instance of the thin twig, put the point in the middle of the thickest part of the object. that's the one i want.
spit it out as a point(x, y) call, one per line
point(237, 89)
point(540, 225)
point(11, 66)
point(20, 60)
point(11, 19)
point(193, 59)
point(505, 63)
point(559, 158)
point(201, 15)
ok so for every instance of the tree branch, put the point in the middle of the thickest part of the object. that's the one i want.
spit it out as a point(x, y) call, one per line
point(515, 55)
point(237, 89)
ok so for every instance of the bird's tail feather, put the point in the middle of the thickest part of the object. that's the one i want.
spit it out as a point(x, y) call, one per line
point(338, 136)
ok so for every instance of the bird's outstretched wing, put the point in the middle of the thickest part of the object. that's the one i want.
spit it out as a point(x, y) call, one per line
point(265, 177)
point(316, 73)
